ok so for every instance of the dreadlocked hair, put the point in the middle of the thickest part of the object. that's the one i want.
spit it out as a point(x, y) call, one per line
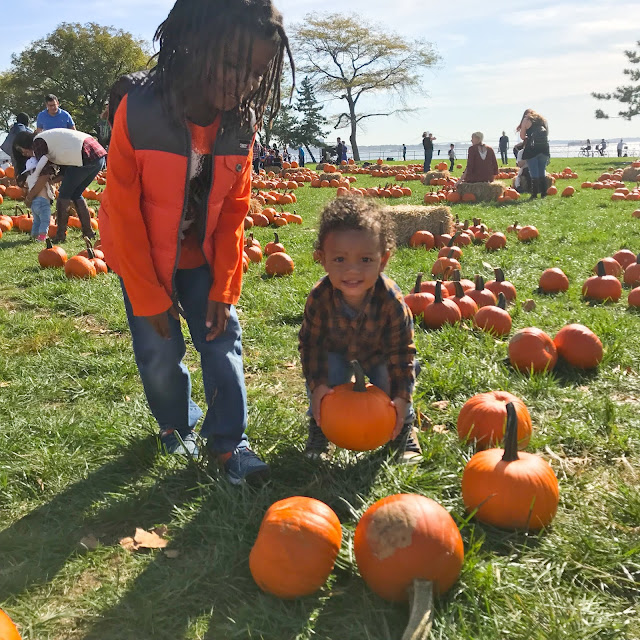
point(196, 38)
point(353, 213)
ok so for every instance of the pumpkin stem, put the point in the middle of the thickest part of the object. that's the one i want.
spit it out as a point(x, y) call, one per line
point(49, 243)
point(502, 301)
point(87, 242)
point(421, 611)
point(602, 272)
point(458, 288)
point(466, 224)
point(358, 371)
point(511, 435)
point(416, 289)
point(275, 235)
point(456, 275)
point(499, 274)
point(438, 292)
point(455, 235)
point(479, 283)
point(90, 252)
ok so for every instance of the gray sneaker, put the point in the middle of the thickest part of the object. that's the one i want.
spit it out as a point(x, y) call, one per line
point(406, 446)
point(244, 465)
point(318, 447)
point(179, 444)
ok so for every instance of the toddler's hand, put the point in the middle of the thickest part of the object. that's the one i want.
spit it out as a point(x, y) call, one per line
point(400, 405)
point(316, 398)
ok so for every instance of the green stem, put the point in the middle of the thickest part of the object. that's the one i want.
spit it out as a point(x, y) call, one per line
point(421, 611)
point(360, 384)
point(511, 435)
point(416, 289)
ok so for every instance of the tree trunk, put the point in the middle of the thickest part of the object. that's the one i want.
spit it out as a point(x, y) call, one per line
point(354, 125)
point(310, 153)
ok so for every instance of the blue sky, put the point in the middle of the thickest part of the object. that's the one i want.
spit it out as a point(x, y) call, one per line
point(497, 58)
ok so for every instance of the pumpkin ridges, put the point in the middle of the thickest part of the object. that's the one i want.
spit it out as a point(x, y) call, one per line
point(579, 346)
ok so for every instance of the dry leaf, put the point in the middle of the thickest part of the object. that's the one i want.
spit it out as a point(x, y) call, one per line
point(441, 404)
point(291, 365)
point(127, 399)
point(40, 483)
point(171, 553)
point(424, 422)
point(529, 305)
point(4, 384)
point(90, 542)
point(144, 540)
point(440, 428)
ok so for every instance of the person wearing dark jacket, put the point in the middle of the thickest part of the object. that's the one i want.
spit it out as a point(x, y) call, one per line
point(534, 131)
point(21, 124)
point(503, 145)
point(427, 143)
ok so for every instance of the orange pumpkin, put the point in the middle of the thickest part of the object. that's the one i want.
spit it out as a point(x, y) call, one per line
point(275, 246)
point(52, 256)
point(279, 264)
point(494, 319)
point(602, 287)
point(296, 548)
point(357, 416)
point(417, 300)
point(553, 281)
point(531, 349)
point(579, 346)
point(468, 307)
point(79, 267)
point(528, 233)
point(441, 311)
point(8, 630)
point(632, 273)
point(509, 489)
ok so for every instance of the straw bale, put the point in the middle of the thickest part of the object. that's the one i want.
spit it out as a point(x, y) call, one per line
point(430, 175)
point(525, 185)
point(277, 169)
point(483, 191)
point(631, 175)
point(411, 218)
point(254, 206)
point(330, 176)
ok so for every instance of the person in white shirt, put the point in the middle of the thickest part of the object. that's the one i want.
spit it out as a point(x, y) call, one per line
point(620, 148)
point(40, 196)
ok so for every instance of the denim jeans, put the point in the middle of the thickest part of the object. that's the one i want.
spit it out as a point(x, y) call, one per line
point(503, 156)
point(41, 210)
point(537, 165)
point(77, 179)
point(339, 372)
point(166, 380)
point(427, 161)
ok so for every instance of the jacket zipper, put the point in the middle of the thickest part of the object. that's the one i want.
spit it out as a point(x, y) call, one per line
point(203, 232)
point(174, 294)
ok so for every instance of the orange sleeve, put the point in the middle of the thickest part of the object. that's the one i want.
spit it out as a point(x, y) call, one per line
point(228, 240)
point(129, 233)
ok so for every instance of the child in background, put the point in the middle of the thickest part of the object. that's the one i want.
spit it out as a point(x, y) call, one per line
point(40, 195)
point(172, 219)
point(357, 313)
point(452, 157)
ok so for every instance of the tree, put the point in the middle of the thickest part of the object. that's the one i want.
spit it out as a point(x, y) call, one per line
point(627, 95)
point(284, 127)
point(349, 58)
point(78, 63)
point(312, 122)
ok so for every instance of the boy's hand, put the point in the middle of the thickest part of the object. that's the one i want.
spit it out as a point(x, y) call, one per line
point(160, 322)
point(217, 318)
point(316, 398)
point(400, 405)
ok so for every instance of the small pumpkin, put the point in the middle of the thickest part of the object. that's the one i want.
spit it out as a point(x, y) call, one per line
point(632, 273)
point(8, 630)
point(52, 256)
point(510, 489)
point(85, 252)
point(296, 547)
point(441, 311)
point(483, 297)
point(634, 297)
point(279, 264)
point(531, 349)
point(79, 267)
point(500, 285)
point(422, 239)
point(99, 264)
point(579, 346)
point(553, 280)
point(418, 301)
point(602, 287)
point(624, 257)
point(483, 418)
point(408, 546)
point(468, 307)
point(611, 267)
point(494, 319)
point(275, 246)
point(528, 233)
point(457, 277)
point(496, 241)
point(451, 250)
point(357, 415)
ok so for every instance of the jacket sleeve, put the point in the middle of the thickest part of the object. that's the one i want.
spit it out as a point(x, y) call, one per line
point(127, 228)
point(494, 164)
point(228, 239)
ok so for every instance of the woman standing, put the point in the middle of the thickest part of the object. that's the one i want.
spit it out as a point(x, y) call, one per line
point(427, 143)
point(534, 131)
point(80, 156)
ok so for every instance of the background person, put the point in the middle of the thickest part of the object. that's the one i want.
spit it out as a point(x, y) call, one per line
point(482, 165)
point(53, 117)
point(427, 143)
point(534, 131)
point(503, 145)
point(21, 124)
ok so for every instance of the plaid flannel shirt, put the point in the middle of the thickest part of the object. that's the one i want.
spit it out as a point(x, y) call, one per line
point(382, 333)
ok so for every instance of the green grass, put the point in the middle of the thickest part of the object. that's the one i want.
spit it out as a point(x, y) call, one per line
point(78, 455)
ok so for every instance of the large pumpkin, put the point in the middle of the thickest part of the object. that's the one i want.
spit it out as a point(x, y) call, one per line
point(296, 548)
point(8, 630)
point(483, 418)
point(531, 349)
point(579, 346)
point(357, 416)
point(510, 490)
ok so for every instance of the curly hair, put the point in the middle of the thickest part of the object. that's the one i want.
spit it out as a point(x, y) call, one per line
point(535, 117)
point(354, 213)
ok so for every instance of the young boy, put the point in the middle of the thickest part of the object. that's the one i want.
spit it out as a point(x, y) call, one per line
point(357, 313)
point(452, 157)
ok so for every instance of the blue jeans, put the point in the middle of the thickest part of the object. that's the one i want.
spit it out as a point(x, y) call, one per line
point(166, 380)
point(41, 210)
point(427, 161)
point(77, 179)
point(339, 372)
point(537, 165)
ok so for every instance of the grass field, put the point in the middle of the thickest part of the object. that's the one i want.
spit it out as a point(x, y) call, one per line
point(78, 455)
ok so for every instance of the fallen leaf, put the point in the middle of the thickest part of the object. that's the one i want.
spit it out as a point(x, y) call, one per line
point(529, 305)
point(144, 540)
point(90, 542)
point(5, 384)
point(440, 428)
point(171, 553)
point(291, 365)
point(424, 422)
point(128, 544)
point(40, 483)
point(441, 404)
point(127, 399)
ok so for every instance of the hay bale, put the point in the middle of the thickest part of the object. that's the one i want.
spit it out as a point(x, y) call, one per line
point(330, 176)
point(411, 218)
point(483, 191)
point(430, 175)
point(631, 175)
point(277, 169)
point(254, 206)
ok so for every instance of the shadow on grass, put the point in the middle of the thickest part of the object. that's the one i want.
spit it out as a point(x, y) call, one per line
point(36, 547)
point(15, 242)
